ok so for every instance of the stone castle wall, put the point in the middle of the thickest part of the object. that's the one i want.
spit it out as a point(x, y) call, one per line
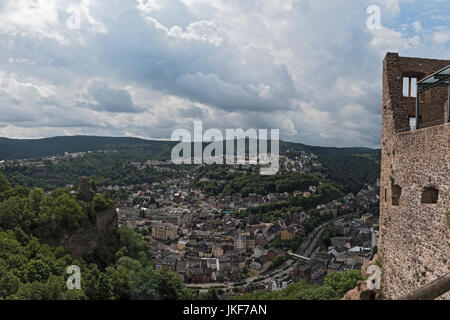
point(414, 242)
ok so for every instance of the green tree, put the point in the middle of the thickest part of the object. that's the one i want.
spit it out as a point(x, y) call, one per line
point(144, 284)
point(96, 284)
point(120, 279)
point(133, 242)
point(9, 283)
point(4, 183)
point(14, 212)
point(37, 270)
point(171, 287)
point(315, 293)
point(341, 282)
point(102, 202)
point(35, 198)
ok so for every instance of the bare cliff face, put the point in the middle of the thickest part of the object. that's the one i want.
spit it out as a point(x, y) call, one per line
point(91, 234)
point(95, 230)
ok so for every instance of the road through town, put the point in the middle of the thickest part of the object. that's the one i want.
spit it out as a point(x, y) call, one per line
point(305, 249)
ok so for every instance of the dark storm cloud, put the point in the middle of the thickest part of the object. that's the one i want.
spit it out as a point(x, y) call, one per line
point(110, 99)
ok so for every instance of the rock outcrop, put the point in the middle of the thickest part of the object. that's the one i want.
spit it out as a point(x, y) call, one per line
point(96, 229)
point(362, 292)
point(91, 234)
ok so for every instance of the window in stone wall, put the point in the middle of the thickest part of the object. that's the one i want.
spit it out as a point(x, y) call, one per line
point(396, 193)
point(429, 195)
point(395, 155)
point(409, 86)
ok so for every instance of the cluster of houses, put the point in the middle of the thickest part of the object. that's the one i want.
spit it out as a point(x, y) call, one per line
point(153, 196)
point(205, 243)
point(346, 252)
point(50, 159)
point(206, 247)
point(299, 161)
point(201, 236)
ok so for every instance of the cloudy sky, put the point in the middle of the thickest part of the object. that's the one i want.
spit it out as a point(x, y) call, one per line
point(311, 68)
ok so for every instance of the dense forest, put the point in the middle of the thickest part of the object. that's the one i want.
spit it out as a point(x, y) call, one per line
point(350, 167)
point(11, 149)
point(121, 268)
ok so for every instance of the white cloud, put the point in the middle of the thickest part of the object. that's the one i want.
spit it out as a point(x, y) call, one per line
point(49, 19)
point(146, 67)
point(24, 17)
point(351, 87)
point(393, 7)
point(441, 36)
point(417, 26)
point(386, 39)
point(18, 88)
point(205, 31)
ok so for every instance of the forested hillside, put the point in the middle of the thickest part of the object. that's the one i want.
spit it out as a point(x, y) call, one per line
point(349, 168)
point(120, 268)
point(37, 148)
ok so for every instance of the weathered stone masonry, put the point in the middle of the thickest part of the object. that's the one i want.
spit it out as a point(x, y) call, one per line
point(414, 242)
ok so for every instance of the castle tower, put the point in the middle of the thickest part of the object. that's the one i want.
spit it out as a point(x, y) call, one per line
point(85, 192)
point(415, 174)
